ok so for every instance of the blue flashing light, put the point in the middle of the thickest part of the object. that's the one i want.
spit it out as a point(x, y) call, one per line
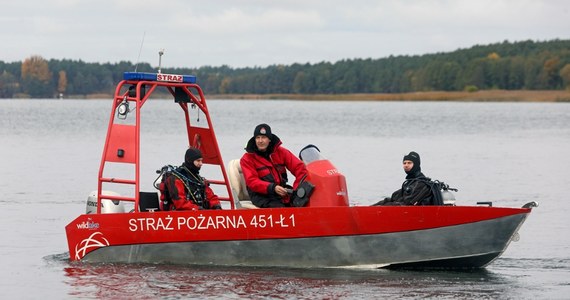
point(138, 76)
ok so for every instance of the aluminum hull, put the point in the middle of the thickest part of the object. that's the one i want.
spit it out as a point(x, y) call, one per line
point(470, 245)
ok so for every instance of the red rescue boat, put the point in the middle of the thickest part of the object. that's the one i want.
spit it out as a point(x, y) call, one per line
point(327, 232)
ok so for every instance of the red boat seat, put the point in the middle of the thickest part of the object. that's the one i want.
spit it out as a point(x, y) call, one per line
point(237, 184)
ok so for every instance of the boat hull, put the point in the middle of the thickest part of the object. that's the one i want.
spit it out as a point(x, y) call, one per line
point(406, 237)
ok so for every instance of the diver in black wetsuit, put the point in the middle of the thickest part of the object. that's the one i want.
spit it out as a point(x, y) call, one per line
point(415, 189)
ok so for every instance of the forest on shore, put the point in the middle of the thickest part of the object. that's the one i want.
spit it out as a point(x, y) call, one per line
point(514, 68)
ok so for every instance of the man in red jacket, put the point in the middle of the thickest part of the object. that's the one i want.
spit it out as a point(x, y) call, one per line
point(265, 166)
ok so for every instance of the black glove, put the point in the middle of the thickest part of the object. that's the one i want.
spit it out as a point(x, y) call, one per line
point(217, 207)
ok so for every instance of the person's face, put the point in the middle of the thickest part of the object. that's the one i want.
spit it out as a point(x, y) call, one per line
point(408, 165)
point(198, 163)
point(262, 142)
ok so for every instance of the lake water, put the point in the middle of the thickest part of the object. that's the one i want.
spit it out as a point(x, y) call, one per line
point(507, 153)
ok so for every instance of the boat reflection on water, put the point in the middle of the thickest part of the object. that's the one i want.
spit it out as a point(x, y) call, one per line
point(164, 281)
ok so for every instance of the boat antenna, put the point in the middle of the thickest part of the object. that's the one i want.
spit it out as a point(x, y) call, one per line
point(140, 50)
point(160, 54)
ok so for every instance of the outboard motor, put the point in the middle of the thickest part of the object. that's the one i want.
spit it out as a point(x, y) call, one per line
point(448, 198)
point(107, 206)
point(330, 184)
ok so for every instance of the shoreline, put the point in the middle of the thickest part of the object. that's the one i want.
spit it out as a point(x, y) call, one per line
point(478, 96)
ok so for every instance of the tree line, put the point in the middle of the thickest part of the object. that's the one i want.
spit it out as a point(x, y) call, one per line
point(524, 65)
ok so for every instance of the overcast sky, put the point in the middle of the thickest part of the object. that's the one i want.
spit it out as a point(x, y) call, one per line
point(260, 33)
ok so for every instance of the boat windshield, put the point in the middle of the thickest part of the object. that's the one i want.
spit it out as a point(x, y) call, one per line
point(310, 153)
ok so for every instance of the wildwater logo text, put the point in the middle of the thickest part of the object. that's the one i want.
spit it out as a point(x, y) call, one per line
point(88, 225)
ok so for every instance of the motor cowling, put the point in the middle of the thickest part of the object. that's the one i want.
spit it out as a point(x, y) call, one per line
point(330, 184)
point(448, 198)
point(107, 206)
